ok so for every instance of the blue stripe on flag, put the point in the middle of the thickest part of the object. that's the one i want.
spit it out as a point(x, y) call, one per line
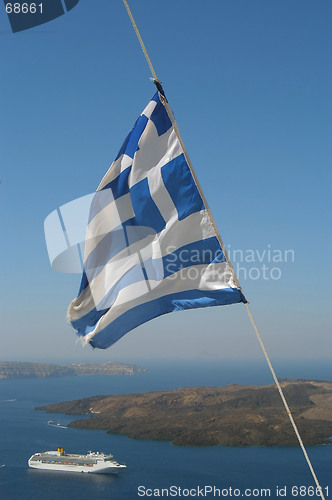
point(169, 303)
point(84, 283)
point(145, 210)
point(87, 322)
point(112, 243)
point(198, 253)
point(130, 145)
point(160, 118)
point(119, 185)
point(181, 187)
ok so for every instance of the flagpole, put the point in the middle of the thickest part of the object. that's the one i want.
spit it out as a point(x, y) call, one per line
point(236, 281)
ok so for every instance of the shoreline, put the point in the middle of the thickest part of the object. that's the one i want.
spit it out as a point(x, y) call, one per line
point(232, 415)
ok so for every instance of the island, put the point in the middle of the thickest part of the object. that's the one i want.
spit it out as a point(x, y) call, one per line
point(16, 369)
point(233, 415)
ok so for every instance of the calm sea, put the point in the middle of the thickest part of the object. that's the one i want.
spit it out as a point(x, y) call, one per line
point(152, 467)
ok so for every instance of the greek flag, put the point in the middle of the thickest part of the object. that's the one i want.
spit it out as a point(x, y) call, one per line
point(150, 245)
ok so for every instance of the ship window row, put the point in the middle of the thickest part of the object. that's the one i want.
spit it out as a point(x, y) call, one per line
point(58, 462)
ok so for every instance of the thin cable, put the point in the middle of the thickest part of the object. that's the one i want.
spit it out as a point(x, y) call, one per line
point(176, 129)
point(170, 113)
point(140, 41)
point(284, 401)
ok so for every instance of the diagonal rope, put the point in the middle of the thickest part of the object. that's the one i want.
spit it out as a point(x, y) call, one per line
point(170, 113)
point(140, 41)
point(176, 129)
point(285, 402)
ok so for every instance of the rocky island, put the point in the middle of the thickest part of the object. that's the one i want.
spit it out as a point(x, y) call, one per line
point(234, 415)
point(15, 369)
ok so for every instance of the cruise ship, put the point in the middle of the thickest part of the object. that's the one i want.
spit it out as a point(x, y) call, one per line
point(95, 462)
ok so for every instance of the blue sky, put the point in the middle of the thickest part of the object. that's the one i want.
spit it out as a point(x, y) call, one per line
point(250, 85)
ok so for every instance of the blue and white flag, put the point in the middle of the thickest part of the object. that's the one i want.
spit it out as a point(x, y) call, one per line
point(150, 246)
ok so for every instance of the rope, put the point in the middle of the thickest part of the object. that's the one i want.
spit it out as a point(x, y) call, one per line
point(285, 402)
point(176, 129)
point(140, 41)
point(170, 113)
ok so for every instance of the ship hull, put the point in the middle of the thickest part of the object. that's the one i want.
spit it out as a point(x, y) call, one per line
point(92, 463)
point(94, 469)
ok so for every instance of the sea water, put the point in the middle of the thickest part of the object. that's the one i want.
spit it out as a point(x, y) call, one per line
point(154, 469)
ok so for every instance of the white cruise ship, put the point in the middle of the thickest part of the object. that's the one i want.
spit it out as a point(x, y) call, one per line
point(91, 462)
